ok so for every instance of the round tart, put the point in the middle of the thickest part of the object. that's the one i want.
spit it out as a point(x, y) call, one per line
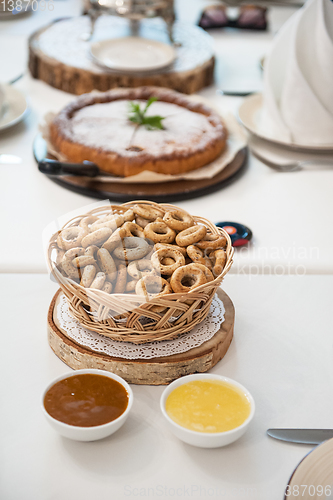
point(96, 127)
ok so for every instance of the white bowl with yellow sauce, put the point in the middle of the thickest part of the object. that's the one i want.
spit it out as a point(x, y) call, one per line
point(207, 410)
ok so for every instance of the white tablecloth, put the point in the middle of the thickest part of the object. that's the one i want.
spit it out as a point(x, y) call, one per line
point(282, 352)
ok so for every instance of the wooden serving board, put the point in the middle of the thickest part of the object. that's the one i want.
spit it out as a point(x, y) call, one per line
point(161, 192)
point(60, 56)
point(156, 371)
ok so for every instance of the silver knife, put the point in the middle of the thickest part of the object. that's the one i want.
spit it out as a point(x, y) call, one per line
point(304, 436)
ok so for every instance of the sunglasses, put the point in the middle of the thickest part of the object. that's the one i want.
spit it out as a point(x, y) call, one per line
point(249, 17)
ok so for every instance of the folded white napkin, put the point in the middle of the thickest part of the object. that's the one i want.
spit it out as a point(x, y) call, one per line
point(298, 78)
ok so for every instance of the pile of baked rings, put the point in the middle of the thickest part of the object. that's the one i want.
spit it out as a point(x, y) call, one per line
point(143, 251)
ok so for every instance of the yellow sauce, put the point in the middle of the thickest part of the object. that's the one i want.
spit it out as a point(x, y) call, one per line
point(208, 406)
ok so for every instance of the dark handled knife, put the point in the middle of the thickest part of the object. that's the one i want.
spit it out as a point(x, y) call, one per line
point(59, 168)
point(304, 436)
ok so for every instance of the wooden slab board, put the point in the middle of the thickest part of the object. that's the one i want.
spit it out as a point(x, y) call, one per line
point(156, 371)
point(160, 192)
point(60, 56)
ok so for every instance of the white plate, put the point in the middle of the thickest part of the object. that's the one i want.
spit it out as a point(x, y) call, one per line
point(249, 114)
point(313, 475)
point(14, 109)
point(133, 54)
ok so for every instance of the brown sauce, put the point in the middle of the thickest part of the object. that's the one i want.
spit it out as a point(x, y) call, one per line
point(86, 400)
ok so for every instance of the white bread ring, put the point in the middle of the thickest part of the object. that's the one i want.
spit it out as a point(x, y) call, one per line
point(96, 237)
point(111, 221)
point(147, 211)
point(130, 286)
point(115, 239)
point(107, 287)
point(191, 235)
point(186, 278)
point(91, 250)
point(131, 248)
point(99, 281)
point(159, 232)
point(167, 269)
point(83, 260)
point(120, 285)
point(139, 268)
point(134, 229)
point(70, 237)
point(107, 264)
point(178, 220)
point(88, 276)
point(87, 222)
point(74, 252)
point(70, 270)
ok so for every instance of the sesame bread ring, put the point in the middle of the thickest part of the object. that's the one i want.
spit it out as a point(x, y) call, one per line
point(134, 229)
point(115, 239)
point(166, 245)
point(74, 252)
point(70, 237)
point(153, 286)
point(159, 232)
point(87, 222)
point(212, 242)
point(186, 278)
point(178, 220)
point(130, 286)
point(191, 235)
point(147, 211)
point(107, 264)
point(88, 276)
point(207, 272)
point(129, 215)
point(219, 259)
point(139, 268)
point(70, 270)
point(107, 287)
point(141, 221)
point(99, 281)
point(198, 256)
point(83, 261)
point(110, 221)
point(167, 269)
point(131, 249)
point(120, 285)
point(96, 237)
point(91, 250)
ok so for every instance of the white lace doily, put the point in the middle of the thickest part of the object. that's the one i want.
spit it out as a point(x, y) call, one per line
point(98, 343)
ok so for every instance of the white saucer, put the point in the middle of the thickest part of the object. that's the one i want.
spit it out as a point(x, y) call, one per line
point(14, 109)
point(312, 475)
point(249, 114)
point(132, 54)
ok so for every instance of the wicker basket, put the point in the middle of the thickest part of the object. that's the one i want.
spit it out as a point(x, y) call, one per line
point(138, 323)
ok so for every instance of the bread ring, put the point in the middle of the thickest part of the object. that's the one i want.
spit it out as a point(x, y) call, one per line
point(91, 250)
point(70, 270)
point(198, 256)
point(186, 278)
point(147, 211)
point(167, 261)
point(74, 252)
point(219, 259)
point(159, 232)
point(182, 250)
point(121, 279)
point(88, 276)
point(96, 237)
point(107, 287)
point(153, 286)
point(129, 215)
point(70, 237)
point(141, 221)
point(133, 229)
point(158, 256)
point(178, 220)
point(191, 235)
point(139, 268)
point(207, 272)
point(212, 242)
point(115, 239)
point(98, 281)
point(111, 221)
point(83, 260)
point(87, 222)
point(131, 248)
point(107, 264)
point(130, 286)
